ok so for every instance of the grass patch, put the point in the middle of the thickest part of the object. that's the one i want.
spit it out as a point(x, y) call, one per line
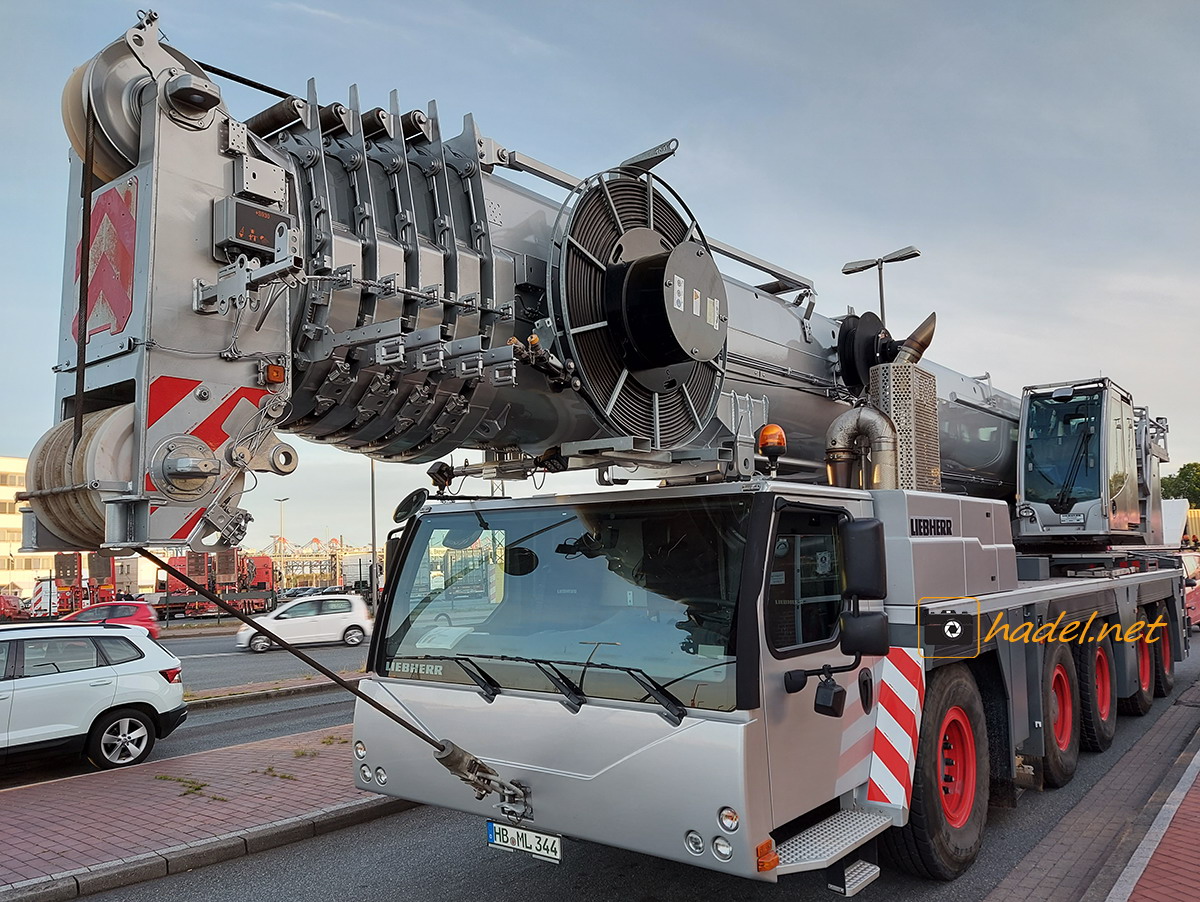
point(335, 740)
point(271, 772)
point(191, 787)
point(305, 753)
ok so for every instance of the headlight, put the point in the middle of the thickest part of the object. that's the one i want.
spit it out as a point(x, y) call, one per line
point(365, 773)
point(694, 842)
point(728, 819)
point(360, 750)
point(722, 848)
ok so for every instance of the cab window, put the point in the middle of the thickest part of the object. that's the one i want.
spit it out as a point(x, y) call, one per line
point(804, 581)
point(301, 609)
point(43, 656)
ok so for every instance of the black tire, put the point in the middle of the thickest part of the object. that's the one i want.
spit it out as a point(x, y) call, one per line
point(120, 738)
point(259, 643)
point(1164, 659)
point(1097, 694)
point(931, 845)
point(1060, 715)
point(353, 635)
point(1139, 703)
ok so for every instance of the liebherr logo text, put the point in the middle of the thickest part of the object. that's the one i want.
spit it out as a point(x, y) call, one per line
point(412, 667)
point(930, 526)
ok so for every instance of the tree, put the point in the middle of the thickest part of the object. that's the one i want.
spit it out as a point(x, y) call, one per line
point(1184, 484)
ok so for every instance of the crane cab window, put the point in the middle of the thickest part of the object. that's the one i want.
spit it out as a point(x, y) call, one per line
point(804, 581)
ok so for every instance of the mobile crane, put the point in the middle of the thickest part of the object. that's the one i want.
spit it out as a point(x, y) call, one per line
point(784, 657)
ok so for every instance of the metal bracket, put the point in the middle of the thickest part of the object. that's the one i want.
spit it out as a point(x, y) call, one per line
point(648, 159)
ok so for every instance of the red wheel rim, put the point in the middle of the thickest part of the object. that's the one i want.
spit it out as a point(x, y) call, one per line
point(1143, 654)
point(1064, 712)
point(957, 771)
point(1103, 683)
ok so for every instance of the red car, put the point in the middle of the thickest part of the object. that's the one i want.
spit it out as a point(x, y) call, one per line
point(1190, 561)
point(135, 612)
point(10, 608)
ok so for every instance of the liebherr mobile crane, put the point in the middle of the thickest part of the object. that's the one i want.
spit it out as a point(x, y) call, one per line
point(782, 658)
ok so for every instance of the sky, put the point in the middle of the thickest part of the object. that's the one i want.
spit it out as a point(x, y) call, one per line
point(1041, 155)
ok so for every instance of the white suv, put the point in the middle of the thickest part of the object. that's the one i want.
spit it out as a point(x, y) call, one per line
point(315, 618)
point(105, 690)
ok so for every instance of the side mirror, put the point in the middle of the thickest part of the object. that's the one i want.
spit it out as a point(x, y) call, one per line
point(412, 503)
point(863, 558)
point(1189, 583)
point(865, 634)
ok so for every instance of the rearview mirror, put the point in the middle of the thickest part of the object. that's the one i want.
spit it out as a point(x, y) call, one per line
point(865, 634)
point(863, 558)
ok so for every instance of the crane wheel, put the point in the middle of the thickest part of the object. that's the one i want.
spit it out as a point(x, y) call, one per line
point(1097, 694)
point(1164, 660)
point(950, 784)
point(1061, 715)
point(1138, 704)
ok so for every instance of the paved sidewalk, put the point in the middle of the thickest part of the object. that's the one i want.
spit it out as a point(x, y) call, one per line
point(103, 830)
point(1092, 850)
point(1166, 866)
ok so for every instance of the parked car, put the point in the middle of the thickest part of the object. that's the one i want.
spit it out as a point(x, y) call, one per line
point(104, 690)
point(12, 609)
point(295, 592)
point(324, 618)
point(137, 613)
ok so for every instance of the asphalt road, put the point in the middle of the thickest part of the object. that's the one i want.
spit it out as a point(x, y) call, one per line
point(211, 662)
point(432, 853)
point(215, 728)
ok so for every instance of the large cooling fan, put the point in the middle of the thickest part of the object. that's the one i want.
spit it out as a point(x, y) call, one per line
point(640, 307)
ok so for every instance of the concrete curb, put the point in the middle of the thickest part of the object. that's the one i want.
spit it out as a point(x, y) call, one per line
point(176, 859)
point(218, 701)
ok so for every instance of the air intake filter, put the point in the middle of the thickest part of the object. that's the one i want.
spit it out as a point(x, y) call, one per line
point(640, 307)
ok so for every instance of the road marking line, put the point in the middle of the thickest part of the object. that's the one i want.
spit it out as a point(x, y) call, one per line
point(219, 654)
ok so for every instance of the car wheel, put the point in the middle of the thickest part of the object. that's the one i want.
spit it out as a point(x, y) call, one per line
point(353, 635)
point(120, 738)
point(259, 643)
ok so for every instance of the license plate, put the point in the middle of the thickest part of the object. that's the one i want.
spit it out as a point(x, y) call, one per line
point(1071, 518)
point(517, 839)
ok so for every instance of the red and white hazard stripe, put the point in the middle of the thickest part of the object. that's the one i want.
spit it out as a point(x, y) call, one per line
point(897, 721)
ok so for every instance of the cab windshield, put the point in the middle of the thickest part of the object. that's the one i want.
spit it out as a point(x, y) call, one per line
point(1062, 453)
point(597, 589)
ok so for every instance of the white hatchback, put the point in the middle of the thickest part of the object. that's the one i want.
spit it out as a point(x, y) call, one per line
point(317, 618)
point(106, 690)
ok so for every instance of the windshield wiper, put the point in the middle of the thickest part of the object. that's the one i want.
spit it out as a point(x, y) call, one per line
point(1063, 503)
point(488, 687)
point(673, 709)
point(573, 698)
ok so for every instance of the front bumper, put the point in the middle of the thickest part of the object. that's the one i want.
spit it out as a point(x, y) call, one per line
point(170, 720)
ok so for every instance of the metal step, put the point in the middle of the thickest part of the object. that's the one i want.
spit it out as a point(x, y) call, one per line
point(832, 839)
point(859, 875)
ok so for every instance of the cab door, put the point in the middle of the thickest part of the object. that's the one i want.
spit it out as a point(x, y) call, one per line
point(62, 684)
point(300, 622)
point(336, 615)
point(812, 757)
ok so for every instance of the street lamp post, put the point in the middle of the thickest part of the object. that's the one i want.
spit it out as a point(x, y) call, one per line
point(279, 539)
point(374, 563)
point(905, 253)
